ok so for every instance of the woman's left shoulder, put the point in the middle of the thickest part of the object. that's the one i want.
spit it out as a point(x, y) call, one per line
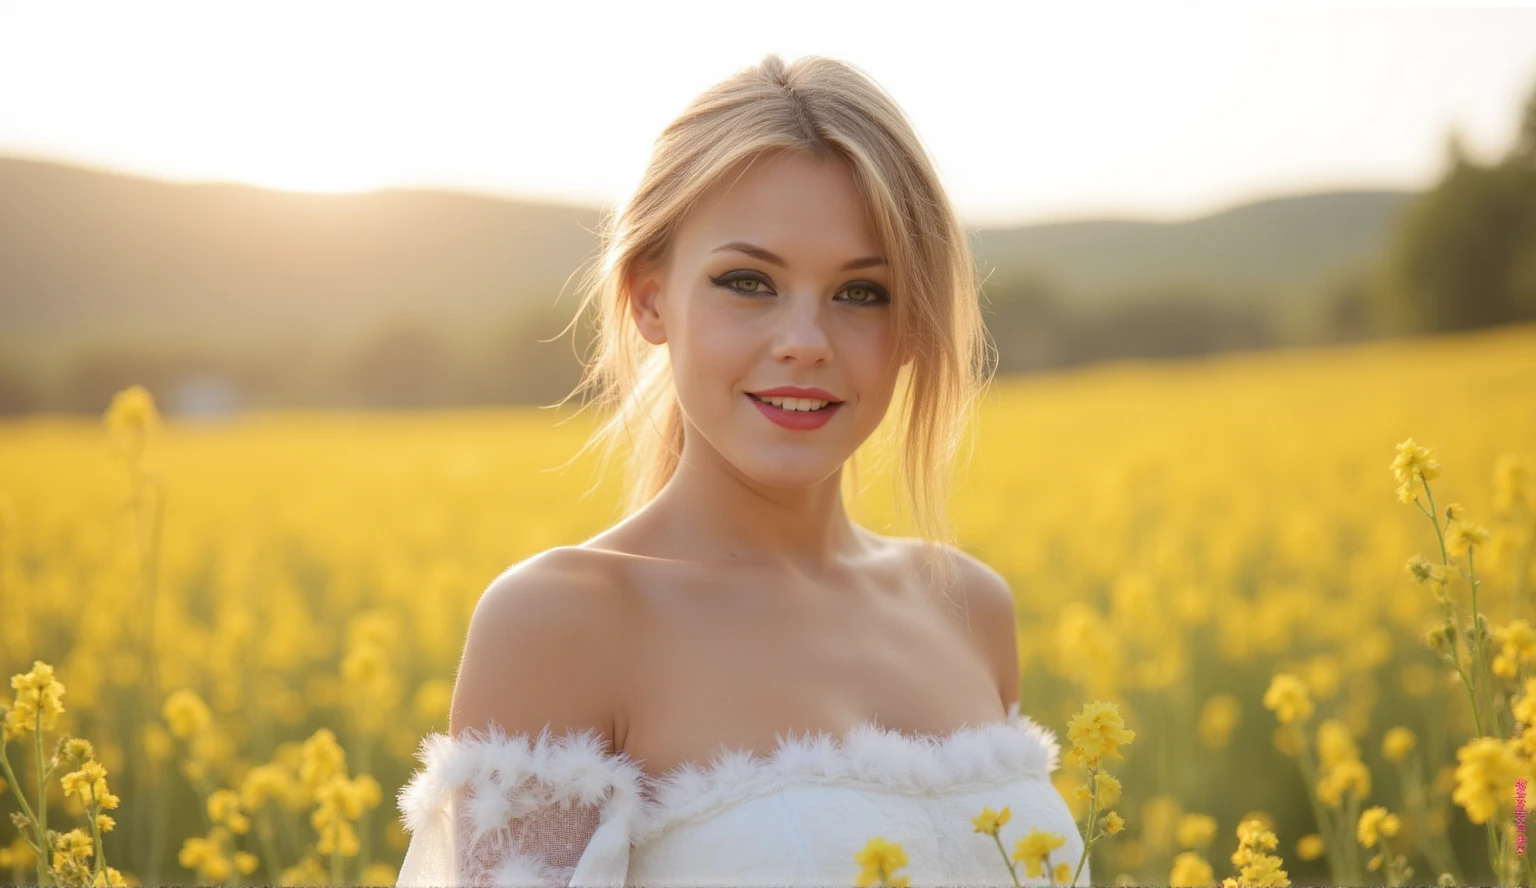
point(982, 601)
point(977, 584)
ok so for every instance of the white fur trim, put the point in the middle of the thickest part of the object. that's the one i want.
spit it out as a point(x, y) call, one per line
point(866, 756)
point(575, 768)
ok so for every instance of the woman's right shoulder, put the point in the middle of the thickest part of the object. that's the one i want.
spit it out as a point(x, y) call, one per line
point(547, 641)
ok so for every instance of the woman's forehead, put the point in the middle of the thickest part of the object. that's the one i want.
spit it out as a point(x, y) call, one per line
point(787, 204)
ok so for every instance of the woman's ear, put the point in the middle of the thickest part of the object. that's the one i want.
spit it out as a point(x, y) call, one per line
point(644, 285)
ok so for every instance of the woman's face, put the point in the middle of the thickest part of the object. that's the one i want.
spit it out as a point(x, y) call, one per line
point(776, 278)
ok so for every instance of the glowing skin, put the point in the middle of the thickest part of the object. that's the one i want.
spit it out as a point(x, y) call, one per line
point(748, 487)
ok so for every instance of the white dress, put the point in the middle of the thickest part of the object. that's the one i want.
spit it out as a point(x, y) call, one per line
point(489, 808)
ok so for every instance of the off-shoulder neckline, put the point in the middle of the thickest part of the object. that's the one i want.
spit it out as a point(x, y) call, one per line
point(867, 755)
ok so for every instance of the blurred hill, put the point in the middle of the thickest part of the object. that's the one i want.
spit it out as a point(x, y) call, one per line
point(232, 294)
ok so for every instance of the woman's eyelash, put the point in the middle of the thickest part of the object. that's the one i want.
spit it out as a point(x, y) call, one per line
point(725, 280)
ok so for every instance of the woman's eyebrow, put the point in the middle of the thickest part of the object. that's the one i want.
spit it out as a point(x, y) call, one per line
point(760, 253)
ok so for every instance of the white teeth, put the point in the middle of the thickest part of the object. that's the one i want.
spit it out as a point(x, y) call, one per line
point(797, 404)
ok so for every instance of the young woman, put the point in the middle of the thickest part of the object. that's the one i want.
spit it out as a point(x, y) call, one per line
point(737, 684)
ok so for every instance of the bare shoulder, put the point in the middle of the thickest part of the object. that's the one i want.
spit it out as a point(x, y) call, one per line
point(985, 604)
point(545, 647)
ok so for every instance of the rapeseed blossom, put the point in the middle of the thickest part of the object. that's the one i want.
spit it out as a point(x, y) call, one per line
point(1485, 776)
point(38, 693)
point(1190, 870)
point(1397, 744)
point(1196, 830)
point(878, 863)
point(1255, 866)
point(1097, 731)
point(1034, 851)
point(1414, 463)
point(989, 821)
point(130, 419)
point(1374, 823)
point(1289, 698)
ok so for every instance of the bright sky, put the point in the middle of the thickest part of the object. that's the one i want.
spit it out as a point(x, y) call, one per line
point(1031, 111)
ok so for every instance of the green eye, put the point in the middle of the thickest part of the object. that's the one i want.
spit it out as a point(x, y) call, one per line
point(748, 285)
point(872, 295)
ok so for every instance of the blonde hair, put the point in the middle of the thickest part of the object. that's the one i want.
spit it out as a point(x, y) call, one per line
point(824, 108)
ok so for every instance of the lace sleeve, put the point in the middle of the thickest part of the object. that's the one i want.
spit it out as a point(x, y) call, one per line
point(493, 809)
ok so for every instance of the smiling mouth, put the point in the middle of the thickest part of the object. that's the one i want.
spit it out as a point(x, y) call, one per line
point(827, 406)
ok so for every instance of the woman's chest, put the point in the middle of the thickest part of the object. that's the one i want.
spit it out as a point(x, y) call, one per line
point(738, 668)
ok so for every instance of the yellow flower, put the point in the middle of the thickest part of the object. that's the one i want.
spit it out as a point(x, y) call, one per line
point(105, 823)
point(1486, 773)
point(1344, 776)
point(323, 759)
point(186, 713)
point(1335, 744)
point(879, 861)
point(206, 855)
point(1415, 463)
point(1108, 789)
point(1255, 867)
point(1219, 717)
point(89, 783)
point(1374, 823)
point(1421, 570)
point(73, 845)
point(1310, 847)
point(1264, 870)
point(1518, 638)
point(109, 878)
point(989, 821)
point(1464, 535)
point(1195, 830)
point(264, 782)
point(1113, 823)
point(1034, 849)
point(1524, 707)
point(1063, 873)
point(246, 862)
point(1397, 744)
point(1190, 870)
point(79, 749)
point(1251, 833)
point(1514, 484)
point(1288, 698)
point(224, 808)
point(1097, 731)
point(130, 418)
point(38, 693)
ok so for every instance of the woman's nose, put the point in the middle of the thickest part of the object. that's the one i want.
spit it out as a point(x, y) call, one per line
point(801, 332)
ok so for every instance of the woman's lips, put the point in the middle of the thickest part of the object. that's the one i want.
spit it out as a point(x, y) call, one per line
point(799, 420)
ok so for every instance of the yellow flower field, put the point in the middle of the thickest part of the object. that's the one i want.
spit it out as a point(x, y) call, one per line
point(1216, 546)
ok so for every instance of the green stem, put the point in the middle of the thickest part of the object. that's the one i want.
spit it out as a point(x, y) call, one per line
point(1445, 567)
point(268, 849)
point(1309, 776)
point(1414, 796)
point(101, 852)
point(1093, 809)
point(1352, 818)
point(10, 779)
point(42, 801)
point(1012, 871)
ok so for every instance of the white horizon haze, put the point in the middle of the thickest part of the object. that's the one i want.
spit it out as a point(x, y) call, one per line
point(1031, 112)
